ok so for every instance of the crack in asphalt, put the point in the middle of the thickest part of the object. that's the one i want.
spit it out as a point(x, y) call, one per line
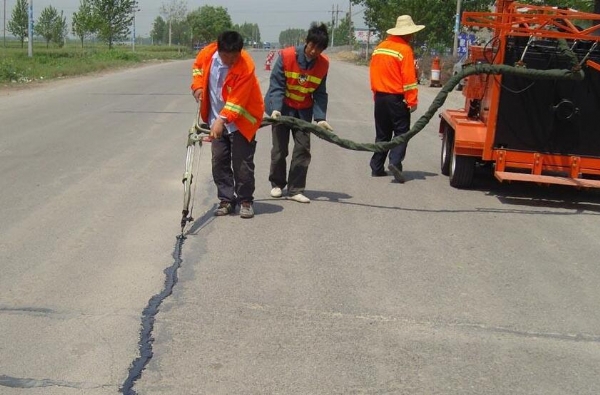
point(148, 318)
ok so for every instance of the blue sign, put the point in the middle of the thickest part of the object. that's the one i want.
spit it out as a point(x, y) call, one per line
point(464, 41)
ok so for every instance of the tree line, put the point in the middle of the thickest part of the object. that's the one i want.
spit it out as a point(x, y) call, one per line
point(110, 21)
point(438, 15)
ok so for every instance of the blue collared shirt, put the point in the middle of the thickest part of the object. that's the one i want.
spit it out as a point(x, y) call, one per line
point(218, 72)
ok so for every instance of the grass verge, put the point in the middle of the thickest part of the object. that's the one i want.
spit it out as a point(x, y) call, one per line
point(17, 68)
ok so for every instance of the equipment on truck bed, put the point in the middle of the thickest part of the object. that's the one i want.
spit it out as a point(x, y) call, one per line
point(545, 130)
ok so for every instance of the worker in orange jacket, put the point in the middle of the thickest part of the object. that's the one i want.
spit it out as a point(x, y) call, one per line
point(394, 85)
point(225, 85)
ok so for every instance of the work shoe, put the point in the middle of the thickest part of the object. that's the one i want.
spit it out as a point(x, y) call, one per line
point(276, 192)
point(380, 173)
point(397, 172)
point(246, 210)
point(224, 209)
point(300, 198)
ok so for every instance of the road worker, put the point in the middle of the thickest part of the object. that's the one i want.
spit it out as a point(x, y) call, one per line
point(297, 89)
point(394, 86)
point(225, 84)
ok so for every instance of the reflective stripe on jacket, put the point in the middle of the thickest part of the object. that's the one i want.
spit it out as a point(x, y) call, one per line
point(244, 105)
point(392, 69)
point(300, 84)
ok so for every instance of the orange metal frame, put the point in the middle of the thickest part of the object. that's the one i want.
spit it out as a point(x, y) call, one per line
point(476, 137)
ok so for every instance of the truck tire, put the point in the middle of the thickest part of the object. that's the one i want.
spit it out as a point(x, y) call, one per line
point(462, 170)
point(447, 144)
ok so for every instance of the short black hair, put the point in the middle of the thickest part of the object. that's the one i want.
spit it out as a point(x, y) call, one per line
point(317, 34)
point(230, 41)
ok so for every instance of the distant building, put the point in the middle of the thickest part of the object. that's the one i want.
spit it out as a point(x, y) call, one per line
point(363, 35)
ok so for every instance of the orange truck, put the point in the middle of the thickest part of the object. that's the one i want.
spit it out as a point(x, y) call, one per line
point(545, 131)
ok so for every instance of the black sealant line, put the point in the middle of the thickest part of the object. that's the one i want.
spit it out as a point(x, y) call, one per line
point(148, 316)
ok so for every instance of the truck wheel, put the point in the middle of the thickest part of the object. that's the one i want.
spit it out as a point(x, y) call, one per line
point(447, 144)
point(462, 170)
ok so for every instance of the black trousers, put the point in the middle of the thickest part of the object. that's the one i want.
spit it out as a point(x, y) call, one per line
point(392, 118)
point(301, 156)
point(233, 167)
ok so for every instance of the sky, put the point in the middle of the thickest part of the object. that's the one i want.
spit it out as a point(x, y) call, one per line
point(272, 16)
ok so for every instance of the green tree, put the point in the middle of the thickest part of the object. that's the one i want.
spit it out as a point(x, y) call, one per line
point(250, 32)
point(180, 32)
point(84, 21)
point(207, 22)
point(580, 5)
point(437, 15)
point(45, 26)
point(292, 37)
point(114, 19)
point(174, 12)
point(61, 30)
point(159, 31)
point(343, 34)
point(17, 24)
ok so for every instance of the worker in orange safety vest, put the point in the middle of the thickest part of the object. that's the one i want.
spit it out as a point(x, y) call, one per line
point(297, 88)
point(394, 85)
point(225, 85)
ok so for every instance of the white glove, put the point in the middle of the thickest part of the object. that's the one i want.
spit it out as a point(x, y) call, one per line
point(325, 125)
point(275, 114)
point(413, 108)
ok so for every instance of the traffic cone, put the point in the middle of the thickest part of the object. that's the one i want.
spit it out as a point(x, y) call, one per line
point(268, 65)
point(435, 73)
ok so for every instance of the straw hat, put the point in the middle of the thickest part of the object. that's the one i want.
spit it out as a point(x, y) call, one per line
point(404, 26)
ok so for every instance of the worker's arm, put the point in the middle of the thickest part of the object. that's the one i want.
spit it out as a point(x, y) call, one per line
point(276, 92)
point(320, 99)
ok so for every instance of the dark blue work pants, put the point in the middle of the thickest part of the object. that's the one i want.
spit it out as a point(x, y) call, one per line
point(233, 167)
point(301, 156)
point(392, 118)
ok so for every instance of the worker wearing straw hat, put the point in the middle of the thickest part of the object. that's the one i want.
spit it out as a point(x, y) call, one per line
point(394, 86)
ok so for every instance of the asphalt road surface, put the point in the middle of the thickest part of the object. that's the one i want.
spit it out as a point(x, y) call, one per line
point(374, 287)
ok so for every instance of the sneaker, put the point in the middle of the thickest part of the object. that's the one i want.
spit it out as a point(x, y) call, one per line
point(397, 172)
point(276, 192)
point(224, 209)
point(300, 198)
point(246, 210)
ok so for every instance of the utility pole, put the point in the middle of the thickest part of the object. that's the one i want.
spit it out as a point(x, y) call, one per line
point(332, 25)
point(334, 19)
point(456, 28)
point(350, 22)
point(169, 31)
point(4, 23)
point(30, 30)
point(134, 9)
point(368, 41)
point(337, 13)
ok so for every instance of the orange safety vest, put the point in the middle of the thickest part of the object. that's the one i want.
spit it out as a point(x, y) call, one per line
point(392, 69)
point(300, 84)
point(244, 104)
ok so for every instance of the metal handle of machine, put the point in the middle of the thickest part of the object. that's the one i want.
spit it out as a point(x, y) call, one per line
point(197, 134)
